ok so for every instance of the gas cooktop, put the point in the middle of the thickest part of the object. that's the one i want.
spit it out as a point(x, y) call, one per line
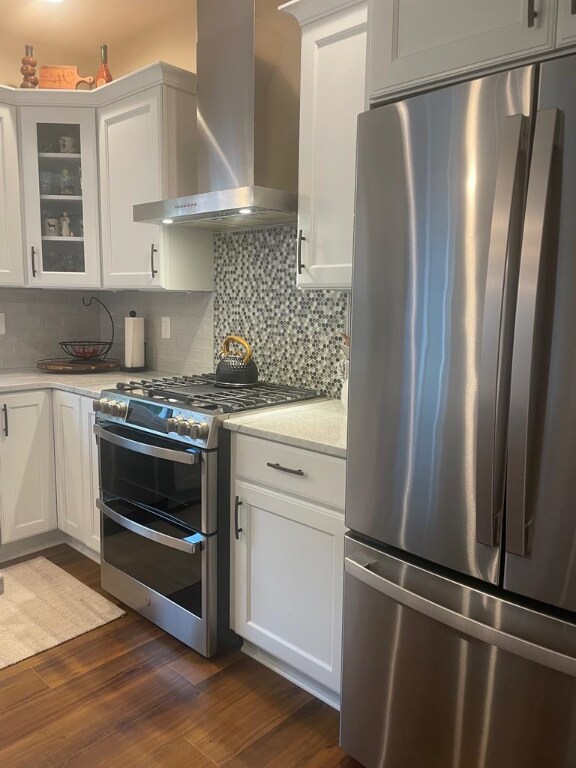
point(204, 394)
point(187, 409)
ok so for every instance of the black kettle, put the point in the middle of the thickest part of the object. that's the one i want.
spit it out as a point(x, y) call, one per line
point(236, 369)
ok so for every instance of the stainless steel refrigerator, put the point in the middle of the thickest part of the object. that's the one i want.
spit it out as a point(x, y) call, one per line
point(460, 574)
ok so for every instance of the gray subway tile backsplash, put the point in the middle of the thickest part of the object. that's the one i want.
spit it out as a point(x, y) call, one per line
point(255, 296)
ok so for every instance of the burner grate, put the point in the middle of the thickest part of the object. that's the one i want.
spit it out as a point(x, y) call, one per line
point(202, 392)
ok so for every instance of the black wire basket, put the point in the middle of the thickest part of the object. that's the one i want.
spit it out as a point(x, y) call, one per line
point(90, 350)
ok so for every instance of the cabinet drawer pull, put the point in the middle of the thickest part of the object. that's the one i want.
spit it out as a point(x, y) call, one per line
point(153, 250)
point(301, 238)
point(33, 254)
point(5, 412)
point(280, 468)
point(237, 530)
point(532, 13)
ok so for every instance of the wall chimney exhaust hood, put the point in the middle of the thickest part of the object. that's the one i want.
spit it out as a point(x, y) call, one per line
point(248, 83)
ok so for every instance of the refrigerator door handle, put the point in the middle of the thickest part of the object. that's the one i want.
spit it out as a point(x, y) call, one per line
point(546, 137)
point(504, 249)
point(361, 568)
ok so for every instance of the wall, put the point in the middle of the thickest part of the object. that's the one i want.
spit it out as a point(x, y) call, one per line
point(137, 32)
point(292, 331)
point(36, 320)
point(189, 350)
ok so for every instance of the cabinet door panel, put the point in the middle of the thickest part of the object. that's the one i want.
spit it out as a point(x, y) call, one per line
point(288, 581)
point(566, 34)
point(332, 96)
point(27, 493)
point(90, 477)
point(415, 41)
point(130, 173)
point(60, 196)
point(11, 252)
point(68, 457)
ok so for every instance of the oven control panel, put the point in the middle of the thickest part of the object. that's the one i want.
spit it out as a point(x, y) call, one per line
point(157, 418)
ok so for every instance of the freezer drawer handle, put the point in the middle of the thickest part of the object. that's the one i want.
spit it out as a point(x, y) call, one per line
point(191, 544)
point(280, 468)
point(497, 325)
point(531, 292)
point(360, 568)
point(184, 457)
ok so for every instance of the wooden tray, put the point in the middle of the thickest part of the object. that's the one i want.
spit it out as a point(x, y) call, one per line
point(67, 365)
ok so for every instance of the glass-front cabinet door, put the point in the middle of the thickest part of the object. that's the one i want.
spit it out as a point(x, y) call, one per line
point(60, 193)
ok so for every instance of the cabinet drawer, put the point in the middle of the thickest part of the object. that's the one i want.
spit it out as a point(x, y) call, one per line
point(319, 477)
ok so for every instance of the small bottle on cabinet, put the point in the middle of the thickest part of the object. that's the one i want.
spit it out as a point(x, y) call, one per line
point(103, 75)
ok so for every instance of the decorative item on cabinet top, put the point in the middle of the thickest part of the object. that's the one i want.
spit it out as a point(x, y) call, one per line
point(68, 77)
point(28, 69)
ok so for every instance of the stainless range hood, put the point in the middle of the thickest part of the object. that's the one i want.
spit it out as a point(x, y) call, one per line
point(248, 112)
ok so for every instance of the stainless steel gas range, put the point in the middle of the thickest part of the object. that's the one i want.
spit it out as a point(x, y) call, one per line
point(164, 498)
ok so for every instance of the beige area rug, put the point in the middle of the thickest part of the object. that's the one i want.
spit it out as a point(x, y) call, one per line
point(43, 606)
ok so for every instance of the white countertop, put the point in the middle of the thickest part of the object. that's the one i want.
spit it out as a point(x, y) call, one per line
point(318, 426)
point(87, 384)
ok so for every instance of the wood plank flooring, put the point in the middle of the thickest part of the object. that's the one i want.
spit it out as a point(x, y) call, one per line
point(127, 695)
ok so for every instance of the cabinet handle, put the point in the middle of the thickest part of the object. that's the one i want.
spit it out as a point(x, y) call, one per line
point(299, 250)
point(5, 412)
point(237, 505)
point(153, 250)
point(33, 254)
point(280, 468)
point(532, 13)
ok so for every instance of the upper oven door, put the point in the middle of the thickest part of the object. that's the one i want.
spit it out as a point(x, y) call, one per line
point(160, 474)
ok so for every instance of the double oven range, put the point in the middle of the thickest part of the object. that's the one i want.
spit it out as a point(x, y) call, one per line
point(164, 498)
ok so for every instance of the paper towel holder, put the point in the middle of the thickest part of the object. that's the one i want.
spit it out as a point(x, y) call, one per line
point(134, 369)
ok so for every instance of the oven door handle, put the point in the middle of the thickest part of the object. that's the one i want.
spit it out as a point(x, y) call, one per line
point(184, 457)
point(191, 544)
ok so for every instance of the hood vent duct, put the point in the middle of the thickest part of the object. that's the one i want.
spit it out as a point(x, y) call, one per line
point(248, 114)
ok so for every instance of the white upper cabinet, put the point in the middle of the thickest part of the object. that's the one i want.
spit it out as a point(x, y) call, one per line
point(566, 23)
point(147, 153)
point(416, 41)
point(11, 251)
point(332, 94)
point(60, 181)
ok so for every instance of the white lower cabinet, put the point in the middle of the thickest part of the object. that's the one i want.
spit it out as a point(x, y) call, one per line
point(287, 575)
point(27, 492)
point(90, 476)
point(76, 468)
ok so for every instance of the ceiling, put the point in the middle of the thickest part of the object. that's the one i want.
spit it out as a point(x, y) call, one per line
point(74, 25)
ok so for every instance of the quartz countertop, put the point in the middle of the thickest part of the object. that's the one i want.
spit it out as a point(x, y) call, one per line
point(318, 426)
point(87, 384)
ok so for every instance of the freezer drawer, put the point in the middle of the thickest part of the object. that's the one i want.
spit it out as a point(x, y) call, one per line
point(440, 675)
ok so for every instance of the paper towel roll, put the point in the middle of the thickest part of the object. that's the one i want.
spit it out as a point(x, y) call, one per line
point(134, 342)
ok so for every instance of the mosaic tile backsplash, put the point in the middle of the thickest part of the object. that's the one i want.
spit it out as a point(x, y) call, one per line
point(291, 331)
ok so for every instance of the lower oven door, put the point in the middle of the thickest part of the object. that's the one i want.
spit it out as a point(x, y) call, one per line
point(161, 570)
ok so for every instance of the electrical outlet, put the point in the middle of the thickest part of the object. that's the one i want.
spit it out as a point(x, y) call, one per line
point(165, 327)
point(2, 324)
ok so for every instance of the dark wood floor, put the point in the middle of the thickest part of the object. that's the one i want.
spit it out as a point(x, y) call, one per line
point(127, 695)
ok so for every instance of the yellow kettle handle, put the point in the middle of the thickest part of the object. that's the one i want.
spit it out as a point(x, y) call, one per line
point(239, 340)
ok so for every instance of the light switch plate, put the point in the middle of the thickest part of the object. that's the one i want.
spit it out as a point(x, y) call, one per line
point(2, 324)
point(165, 327)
